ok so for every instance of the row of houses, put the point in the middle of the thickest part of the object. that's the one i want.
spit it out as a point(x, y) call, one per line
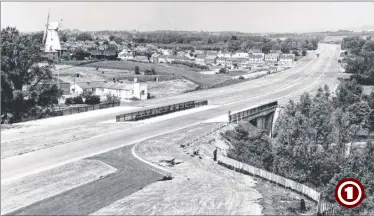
point(229, 60)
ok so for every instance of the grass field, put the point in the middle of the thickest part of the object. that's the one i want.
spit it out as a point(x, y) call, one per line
point(204, 81)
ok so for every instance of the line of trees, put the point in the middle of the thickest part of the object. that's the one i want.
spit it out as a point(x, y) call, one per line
point(316, 142)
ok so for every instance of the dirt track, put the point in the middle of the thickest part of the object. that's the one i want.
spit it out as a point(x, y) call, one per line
point(200, 186)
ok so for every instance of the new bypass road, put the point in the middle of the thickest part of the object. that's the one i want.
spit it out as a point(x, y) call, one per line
point(307, 75)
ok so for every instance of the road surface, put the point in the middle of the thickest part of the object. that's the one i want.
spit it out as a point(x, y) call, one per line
point(306, 76)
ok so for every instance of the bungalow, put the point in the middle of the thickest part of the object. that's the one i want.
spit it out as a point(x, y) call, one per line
point(256, 59)
point(200, 59)
point(232, 62)
point(141, 58)
point(210, 60)
point(286, 60)
point(154, 57)
point(126, 56)
point(162, 59)
point(170, 59)
point(271, 58)
point(124, 90)
point(212, 53)
point(221, 60)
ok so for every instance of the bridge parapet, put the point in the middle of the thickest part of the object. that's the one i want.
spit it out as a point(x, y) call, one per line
point(253, 112)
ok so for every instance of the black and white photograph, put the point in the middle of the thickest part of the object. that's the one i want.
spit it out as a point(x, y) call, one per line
point(187, 108)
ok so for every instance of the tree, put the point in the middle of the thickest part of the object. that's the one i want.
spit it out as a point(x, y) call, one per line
point(303, 53)
point(222, 70)
point(296, 53)
point(137, 70)
point(64, 38)
point(266, 48)
point(25, 83)
point(84, 37)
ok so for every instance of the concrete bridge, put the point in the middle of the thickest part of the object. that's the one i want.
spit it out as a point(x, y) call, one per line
point(261, 116)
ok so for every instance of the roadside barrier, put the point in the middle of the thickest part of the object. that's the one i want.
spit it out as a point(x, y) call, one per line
point(148, 113)
point(323, 207)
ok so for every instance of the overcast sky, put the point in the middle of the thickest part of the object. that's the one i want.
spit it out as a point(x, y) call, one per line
point(201, 16)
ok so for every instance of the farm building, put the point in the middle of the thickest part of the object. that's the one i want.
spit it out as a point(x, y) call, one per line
point(124, 90)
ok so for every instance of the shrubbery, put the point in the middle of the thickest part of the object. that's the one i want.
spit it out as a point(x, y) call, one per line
point(192, 64)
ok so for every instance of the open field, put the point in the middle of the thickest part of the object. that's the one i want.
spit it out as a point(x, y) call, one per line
point(205, 81)
point(170, 88)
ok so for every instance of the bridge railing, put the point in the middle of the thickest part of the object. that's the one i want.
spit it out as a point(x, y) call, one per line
point(252, 111)
point(152, 112)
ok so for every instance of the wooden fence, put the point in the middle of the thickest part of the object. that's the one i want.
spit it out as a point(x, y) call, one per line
point(324, 207)
point(70, 111)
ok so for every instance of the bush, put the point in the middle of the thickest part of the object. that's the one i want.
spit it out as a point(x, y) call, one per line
point(137, 70)
point(134, 99)
point(150, 72)
point(222, 70)
point(304, 53)
point(77, 100)
point(112, 99)
point(69, 101)
point(241, 77)
point(92, 99)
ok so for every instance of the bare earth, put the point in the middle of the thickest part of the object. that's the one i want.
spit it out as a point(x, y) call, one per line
point(199, 186)
point(34, 188)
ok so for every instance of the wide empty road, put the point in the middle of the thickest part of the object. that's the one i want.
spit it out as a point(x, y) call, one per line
point(308, 75)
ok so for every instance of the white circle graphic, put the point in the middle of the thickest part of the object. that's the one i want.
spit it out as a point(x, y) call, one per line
point(340, 193)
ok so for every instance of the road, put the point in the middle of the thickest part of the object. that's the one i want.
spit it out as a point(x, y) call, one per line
point(309, 74)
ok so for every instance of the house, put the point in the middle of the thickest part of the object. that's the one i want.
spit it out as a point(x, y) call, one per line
point(221, 60)
point(125, 56)
point(200, 59)
point(123, 89)
point(154, 57)
point(232, 62)
point(210, 60)
point(199, 51)
point(109, 54)
point(286, 59)
point(182, 59)
point(162, 59)
point(256, 58)
point(212, 53)
point(141, 58)
point(170, 59)
point(224, 54)
point(240, 54)
point(271, 58)
point(253, 51)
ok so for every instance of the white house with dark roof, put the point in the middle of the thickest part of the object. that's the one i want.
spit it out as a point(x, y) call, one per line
point(200, 59)
point(122, 89)
point(271, 58)
point(221, 60)
point(256, 59)
point(286, 59)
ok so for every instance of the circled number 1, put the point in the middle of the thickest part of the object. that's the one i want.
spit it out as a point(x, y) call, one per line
point(349, 191)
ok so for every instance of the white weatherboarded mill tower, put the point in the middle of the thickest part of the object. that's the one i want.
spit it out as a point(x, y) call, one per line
point(51, 41)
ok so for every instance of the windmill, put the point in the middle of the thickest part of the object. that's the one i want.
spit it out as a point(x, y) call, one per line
point(51, 40)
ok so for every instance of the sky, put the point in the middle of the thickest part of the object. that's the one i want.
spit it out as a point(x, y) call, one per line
point(193, 16)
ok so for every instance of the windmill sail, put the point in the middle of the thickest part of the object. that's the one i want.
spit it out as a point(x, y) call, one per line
point(46, 28)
